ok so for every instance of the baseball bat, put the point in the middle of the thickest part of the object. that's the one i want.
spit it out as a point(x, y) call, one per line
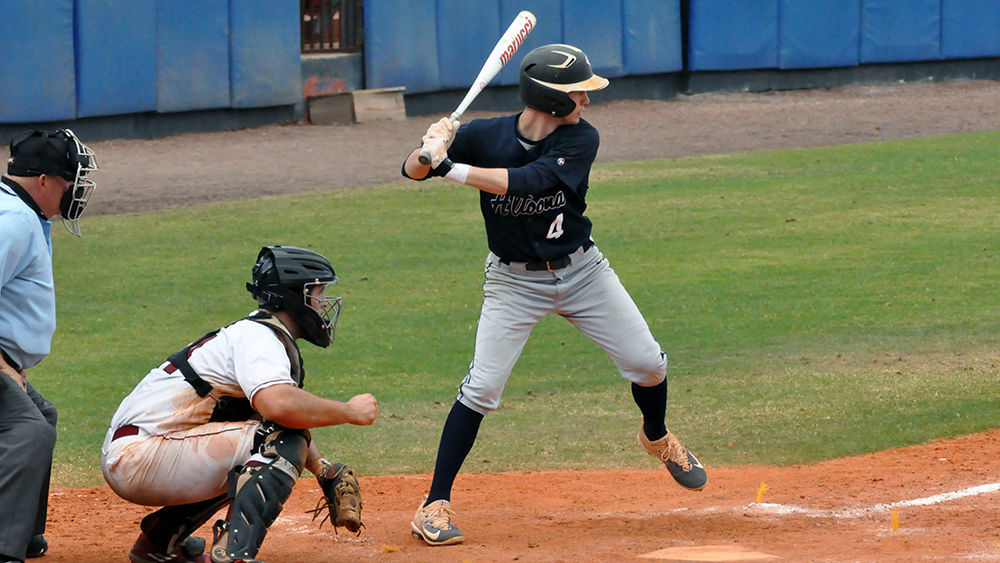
point(502, 52)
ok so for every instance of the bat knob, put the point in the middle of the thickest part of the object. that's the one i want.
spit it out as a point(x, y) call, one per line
point(424, 158)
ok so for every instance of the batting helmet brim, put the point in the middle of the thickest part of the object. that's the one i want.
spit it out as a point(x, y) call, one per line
point(589, 85)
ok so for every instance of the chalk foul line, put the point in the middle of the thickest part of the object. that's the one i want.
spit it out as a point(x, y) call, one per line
point(874, 509)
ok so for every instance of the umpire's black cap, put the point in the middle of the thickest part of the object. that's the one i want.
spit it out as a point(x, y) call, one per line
point(37, 152)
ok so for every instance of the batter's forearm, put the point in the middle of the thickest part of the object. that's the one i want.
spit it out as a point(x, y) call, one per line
point(413, 168)
point(490, 180)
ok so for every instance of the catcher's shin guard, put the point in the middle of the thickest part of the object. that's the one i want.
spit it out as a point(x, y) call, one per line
point(259, 491)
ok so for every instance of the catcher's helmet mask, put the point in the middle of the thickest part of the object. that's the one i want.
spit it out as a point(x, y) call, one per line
point(57, 153)
point(550, 72)
point(285, 278)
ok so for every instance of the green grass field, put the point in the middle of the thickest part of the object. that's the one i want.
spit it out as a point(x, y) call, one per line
point(814, 304)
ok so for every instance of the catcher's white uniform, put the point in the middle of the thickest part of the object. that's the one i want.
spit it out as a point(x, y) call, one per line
point(166, 451)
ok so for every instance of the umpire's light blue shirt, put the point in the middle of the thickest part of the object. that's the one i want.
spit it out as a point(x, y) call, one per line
point(27, 292)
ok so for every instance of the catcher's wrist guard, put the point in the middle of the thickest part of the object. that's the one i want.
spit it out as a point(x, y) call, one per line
point(341, 500)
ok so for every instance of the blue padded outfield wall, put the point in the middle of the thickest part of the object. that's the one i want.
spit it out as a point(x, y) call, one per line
point(787, 34)
point(66, 59)
point(969, 28)
point(108, 83)
point(442, 45)
point(651, 26)
point(265, 60)
point(733, 34)
point(898, 30)
point(820, 33)
point(62, 60)
point(37, 77)
point(192, 56)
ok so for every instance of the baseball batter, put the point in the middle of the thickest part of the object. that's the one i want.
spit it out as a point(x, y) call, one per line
point(224, 421)
point(532, 170)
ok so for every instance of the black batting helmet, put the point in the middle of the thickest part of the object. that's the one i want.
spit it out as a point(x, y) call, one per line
point(282, 279)
point(550, 72)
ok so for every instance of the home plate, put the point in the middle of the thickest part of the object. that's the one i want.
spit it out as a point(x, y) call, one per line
point(708, 553)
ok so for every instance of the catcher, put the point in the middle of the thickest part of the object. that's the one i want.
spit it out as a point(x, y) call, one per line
point(225, 422)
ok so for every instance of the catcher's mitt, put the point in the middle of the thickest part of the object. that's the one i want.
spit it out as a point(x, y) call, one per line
point(341, 498)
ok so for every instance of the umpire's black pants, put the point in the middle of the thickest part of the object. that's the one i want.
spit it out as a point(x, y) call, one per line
point(27, 438)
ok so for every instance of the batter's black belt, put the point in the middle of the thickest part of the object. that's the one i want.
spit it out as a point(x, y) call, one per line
point(549, 265)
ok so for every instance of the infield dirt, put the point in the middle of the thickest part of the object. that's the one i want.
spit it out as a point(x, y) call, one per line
point(839, 510)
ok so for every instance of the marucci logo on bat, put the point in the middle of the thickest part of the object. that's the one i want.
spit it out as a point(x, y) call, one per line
point(502, 52)
point(515, 44)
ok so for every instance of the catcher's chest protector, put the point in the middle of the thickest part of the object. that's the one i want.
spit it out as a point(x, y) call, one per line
point(227, 408)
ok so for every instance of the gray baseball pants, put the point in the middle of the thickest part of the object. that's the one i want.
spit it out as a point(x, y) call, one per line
point(27, 438)
point(587, 293)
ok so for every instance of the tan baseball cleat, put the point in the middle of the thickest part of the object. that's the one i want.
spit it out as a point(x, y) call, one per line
point(683, 466)
point(432, 523)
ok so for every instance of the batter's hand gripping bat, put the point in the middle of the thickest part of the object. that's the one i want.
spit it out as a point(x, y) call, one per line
point(502, 52)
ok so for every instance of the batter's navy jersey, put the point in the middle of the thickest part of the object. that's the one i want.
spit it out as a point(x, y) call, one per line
point(541, 215)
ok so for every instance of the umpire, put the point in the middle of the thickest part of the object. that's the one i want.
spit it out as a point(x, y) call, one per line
point(47, 175)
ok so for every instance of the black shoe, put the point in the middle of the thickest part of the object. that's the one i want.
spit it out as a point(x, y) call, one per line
point(37, 546)
point(191, 550)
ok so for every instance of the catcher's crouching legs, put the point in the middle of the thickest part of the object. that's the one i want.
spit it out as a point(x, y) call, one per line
point(166, 533)
point(259, 489)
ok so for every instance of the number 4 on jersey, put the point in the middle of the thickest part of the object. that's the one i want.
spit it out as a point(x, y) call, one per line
point(555, 229)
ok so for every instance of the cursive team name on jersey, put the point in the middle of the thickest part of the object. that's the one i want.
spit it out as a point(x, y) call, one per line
point(516, 205)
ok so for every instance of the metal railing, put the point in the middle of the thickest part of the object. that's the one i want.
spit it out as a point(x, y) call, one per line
point(330, 26)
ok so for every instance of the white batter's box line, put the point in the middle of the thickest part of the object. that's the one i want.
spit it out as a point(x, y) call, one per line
point(785, 509)
point(882, 508)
